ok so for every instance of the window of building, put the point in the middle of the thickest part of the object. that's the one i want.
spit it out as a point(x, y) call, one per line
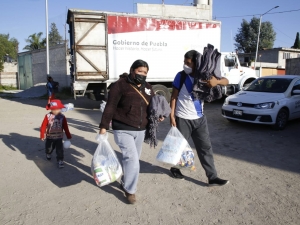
point(286, 55)
point(298, 55)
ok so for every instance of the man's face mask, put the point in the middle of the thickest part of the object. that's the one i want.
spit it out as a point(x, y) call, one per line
point(139, 79)
point(187, 70)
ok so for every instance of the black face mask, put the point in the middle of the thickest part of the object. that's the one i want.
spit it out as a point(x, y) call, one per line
point(139, 79)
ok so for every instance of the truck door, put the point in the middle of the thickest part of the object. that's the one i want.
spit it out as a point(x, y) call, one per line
point(90, 47)
point(231, 69)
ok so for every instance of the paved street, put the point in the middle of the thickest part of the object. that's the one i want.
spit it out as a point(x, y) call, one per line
point(263, 167)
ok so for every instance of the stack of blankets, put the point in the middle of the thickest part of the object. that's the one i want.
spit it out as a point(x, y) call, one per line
point(207, 65)
point(158, 108)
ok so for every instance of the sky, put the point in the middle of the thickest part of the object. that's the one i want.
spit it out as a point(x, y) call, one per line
point(20, 18)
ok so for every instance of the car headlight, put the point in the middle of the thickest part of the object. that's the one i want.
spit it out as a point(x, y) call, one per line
point(267, 105)
point(226, 102)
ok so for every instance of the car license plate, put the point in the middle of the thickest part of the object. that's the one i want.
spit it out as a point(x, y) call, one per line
point(237, 112)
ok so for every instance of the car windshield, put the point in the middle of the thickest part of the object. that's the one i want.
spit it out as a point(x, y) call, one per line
point(271, 85)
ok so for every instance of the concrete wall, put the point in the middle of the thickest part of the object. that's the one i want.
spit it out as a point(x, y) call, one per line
point(201, 12)
point(9, 75)
point(292, 66)
point(58, 64)
point(282, 59)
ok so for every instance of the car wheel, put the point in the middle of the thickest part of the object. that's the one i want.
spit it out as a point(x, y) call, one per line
point(281, 119)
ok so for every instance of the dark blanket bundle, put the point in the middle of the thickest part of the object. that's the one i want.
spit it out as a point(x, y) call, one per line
point(158, 108)
point(207, 65)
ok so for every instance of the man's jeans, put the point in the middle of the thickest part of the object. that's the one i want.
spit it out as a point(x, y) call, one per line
point(198, 130)
point(130, 143)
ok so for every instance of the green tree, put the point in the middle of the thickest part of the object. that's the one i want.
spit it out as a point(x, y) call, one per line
point(246, 37)
point(35, 41)
point(297, 42)
point(54, 36)
point(8, 46)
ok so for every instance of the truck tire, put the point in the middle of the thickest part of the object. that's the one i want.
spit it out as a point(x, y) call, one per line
point(162, 90)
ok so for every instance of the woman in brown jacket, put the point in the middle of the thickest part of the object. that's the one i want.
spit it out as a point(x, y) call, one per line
point(127, 105)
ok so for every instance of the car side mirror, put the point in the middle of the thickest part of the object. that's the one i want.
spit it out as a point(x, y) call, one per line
point(296, 92)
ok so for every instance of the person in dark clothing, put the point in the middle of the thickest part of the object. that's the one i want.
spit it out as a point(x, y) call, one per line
point(50, 91)
point(127, 106)
point(187, 115)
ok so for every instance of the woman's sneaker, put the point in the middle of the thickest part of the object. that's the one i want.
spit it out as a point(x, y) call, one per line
point(60, 164)
point(48, 157)
point(176, 173)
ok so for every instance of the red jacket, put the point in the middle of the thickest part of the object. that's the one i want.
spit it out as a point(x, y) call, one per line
point(54, 126)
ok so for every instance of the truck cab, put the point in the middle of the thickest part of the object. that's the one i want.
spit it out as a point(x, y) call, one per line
point(237, 75)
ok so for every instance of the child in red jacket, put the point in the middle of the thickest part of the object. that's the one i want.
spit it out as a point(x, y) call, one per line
point(54, 125)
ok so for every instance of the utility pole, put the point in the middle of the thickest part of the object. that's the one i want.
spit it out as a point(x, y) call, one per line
point(47, 39)
point(257, 44)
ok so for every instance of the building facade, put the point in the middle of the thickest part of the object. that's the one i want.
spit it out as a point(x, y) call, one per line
point(278, 56)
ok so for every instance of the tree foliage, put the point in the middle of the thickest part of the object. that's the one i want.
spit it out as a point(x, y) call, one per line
point(8, 47)
point(35, 41)
point(246, 37)
point(297, 42)
point(54, 36)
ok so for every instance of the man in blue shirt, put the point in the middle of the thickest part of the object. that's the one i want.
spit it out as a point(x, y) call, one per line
point(187, 115)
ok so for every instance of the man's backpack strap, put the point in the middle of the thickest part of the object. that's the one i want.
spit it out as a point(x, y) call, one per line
point(183, 76)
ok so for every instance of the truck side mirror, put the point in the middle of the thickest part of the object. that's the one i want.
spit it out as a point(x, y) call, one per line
point(296, 92)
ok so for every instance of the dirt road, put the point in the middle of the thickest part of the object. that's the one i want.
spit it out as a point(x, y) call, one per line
point(263, 167)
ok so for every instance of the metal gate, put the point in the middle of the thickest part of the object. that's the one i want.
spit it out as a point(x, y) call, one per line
point(90, 48)
point(25, 71)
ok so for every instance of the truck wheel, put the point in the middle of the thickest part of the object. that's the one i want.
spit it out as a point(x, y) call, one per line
point(162, 90)
point(281, 120)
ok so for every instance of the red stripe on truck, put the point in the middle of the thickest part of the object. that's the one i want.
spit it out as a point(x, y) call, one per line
point(126, 24)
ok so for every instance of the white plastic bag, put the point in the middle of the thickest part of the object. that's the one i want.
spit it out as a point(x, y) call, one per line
point(105, 167)
point(67, 144)
point(102, 106)
point(68, 107)
point(176, 151)
point(172, 148)
point(187, 159)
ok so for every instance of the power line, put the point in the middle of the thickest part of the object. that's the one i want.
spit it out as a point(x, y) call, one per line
point(283, 33)
point(225, 17)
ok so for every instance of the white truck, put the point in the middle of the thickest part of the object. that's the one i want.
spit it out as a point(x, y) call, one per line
point(103, 45)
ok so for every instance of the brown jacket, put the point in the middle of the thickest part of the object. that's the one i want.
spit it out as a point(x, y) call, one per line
point(126, 105)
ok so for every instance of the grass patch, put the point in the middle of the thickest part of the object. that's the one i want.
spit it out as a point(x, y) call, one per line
point(63, 94)
point(7, 88)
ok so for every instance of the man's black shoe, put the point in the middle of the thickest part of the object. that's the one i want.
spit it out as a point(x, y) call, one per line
point(217, 182)
point(176, 173)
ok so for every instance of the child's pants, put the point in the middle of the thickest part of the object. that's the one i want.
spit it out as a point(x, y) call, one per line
point(57, 144)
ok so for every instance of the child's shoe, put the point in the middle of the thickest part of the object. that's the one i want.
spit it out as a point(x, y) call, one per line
point(60, 164)
point(48, 157)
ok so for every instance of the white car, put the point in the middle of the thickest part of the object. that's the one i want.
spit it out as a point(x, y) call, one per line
point(269, 100)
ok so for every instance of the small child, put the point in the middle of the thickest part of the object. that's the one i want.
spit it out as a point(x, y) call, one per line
point(54, 125)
